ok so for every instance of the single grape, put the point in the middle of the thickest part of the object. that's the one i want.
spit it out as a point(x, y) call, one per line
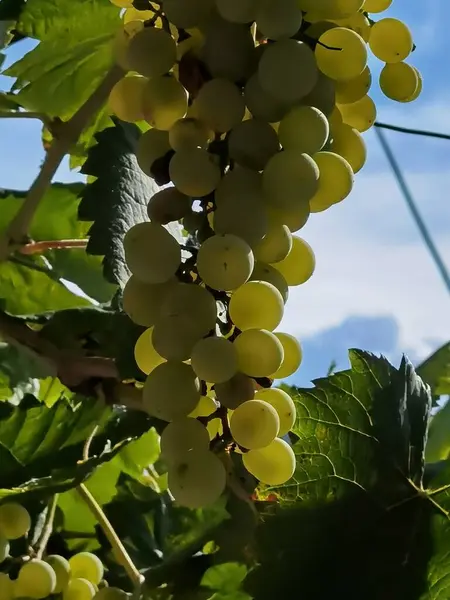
point(122, 39)
point(142, 301)
point(152, 145)
point(15, 521)
point(194, 303)
point(4, 550)
point(254, 424)
point(283, 404)
point(335, 182)
point(111, 593)
point(235, 391)
point(164, 102)
point(145, 355)
point(62, 570)
point(257, 305)
point(238, 186)
point(183, 436)
point(399, 81)
point(252, 143)
point(335, 118)
point(186, 14)
point(267, 273)
point(168, 205)
point(294, 217)
point(259, 352)
point(304, 129)
point(220, 105)
point(126, 98)
point(377, 6)
point(391, 40)
point(322, 96)
point(419, 88)
point(292, 356)
point(174, 337)
point(79, 589)
point(246, 220)
point(86, 565)
point(360, 115)
point(205, 407)
point(352, 90)
point(350, 58)
point(299, 264)
point(225, 262)
point(277, 20)
point(349, 143)
point(189, 133)
point(273, 465)
point(36, 579)
point(237, 11)
point(261, 104)
point(151, 52)
point(214, 359)
point(275, 245)
point(6, 587)
point(194, 172)
point(197, 480)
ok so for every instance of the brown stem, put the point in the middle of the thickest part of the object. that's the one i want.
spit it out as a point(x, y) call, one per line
point(40, 247)
point(48, 526)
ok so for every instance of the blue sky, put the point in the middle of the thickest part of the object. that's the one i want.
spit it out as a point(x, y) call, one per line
point(375, 286)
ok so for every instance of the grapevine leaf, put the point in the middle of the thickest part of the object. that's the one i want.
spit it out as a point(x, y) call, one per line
point(438, 445)
point(225, 578)
point(435, 370)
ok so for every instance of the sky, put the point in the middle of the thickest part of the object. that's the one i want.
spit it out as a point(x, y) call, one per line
point(375, 286)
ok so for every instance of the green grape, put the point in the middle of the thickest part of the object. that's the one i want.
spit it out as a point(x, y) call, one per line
point(186, 14)
point(145, 354)
point(275, 245)
point(189, 133)
point(304, 129)
point(377, 6)
point(346, 63)
point(183, 436)
point(225, 262)
point(246, 220)
point(111, 593)
point(322, 96)
point(79, 589)
point(151, 252)
point(261, 104)
point(391, 40)
point(273, 465)
point(6, 587)
point(335, 118)
point(205, 407)
point(194, 172)
point(294, 217)
point(349, 143)
point(4, 549)
point(62, 570)
point(152, 145)
point(164, 102)
point(126, 98)
point(252, 143)
point(174, 336)
point(419, 88)
point(283, 404)
point(237, 11)
point(292, 356)
point(15, 521)
point(276, 20)
point(86, 565)
point(168, 205)
point(353, 90)
point(360, 115)
point(267, 273)
point(257, 305)
point(214, 359)
point(142, 301)
point(254, 424)
point(399, 81)
point(290, 178)
point(194, 303)
point(151, 52)
point(340, 9)
point(279, 68)
point(171, 391)
point(357, 22)
point(122, 39)
point(335, 183)
point(197, 479)
point(317, 28)
point(36, 579)
point(235, 391)
point(239, 185)
point(299, 264)
point(259, 352)
point(220, 105)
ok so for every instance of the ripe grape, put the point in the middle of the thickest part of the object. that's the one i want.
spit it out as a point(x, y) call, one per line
point(360, 115)
point(174, 336)
point(142, 301)
point(290, 178)
point(6, 587)
point(353, 90)
point(418, 90)
point(4, 550)
point(273, 465)
point(122, 39)
point(341, 53)
point(275, 245)
point(335, 118)
point(111, 593)
point(292, 356)
point(62, 570)
point(359, 23)
point(86, 565)
point(194, 172)
point(164, 101)
point(171, 391)
point(151, 52)
point(220, 105)
point(267, 273)
point(238, 186)
point(205, 407)
point(194, 303)
point(349, 143)
point(304, 129)
point(283, 404)
point(294, 217)
point(279, 19)
point(126, 98)
point(246, 220)
point(257, 305)
point(235, 391)
point(279, 68)
point(153, 144)
point(145, 354)
point(151, 252)
point(299, 264)
point(79, 589)
point(252, 143)
point(377, 6)
point(322, 96)
point(254, 424)
point(261, 104)
point(214, 359)
point(15, 521)
point(36, 579)
point(391, 40)
point(335, 183)
point(186, 14)
point(237, 11)
point(259, 352)
point(197, 480)
point(189, 133)
point(399, 81)
point(183, 436)
point(340, 9)
point(225, 262)
point(168, 205)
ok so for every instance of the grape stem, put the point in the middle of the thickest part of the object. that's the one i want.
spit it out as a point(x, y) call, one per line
point(40, 247)
point(48, 526)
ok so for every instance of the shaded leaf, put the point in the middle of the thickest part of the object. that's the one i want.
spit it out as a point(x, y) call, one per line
point(438, 445)
point(435, 371)
point(225, 578)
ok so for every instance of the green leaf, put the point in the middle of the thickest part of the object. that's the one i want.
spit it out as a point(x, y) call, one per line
point(435, 370)
point(225, 578)
point(438, 444)
point(141, 453)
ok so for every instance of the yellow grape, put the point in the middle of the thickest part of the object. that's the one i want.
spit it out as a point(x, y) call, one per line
point(183, 436)
point(142, 301)
point(164, 101)
point(292, 356)
point(4, 550)
point(189, 133)
point(283, 404)
point(194, 172)
point(353, 90)
point(197, 479)
point(264, 272)
point(79, 589)
point(360, 115)
point(214, 359)
point(418, 90)
point(225, 262)
point(322, 96)
point(377, 6)
point(186, 14)
point(171, 391)
point(151, 252)
point(86, 565)
point(238, 186)
point(237, 11)
point(294, 217)
point(257, 305)
point(273, 465)
point(399, 81)
point(151, 52)
point(261, 104)
point(350, 58)
point(145, 354)
point(289, 179)
point(36, 579)
point(391, 40)
point(174, 336)
point(279, 68)
point(194, 303)
point(299, 264)
point(126, 98)
point(276, 20)
point(220, 105)
point(122, 39)
point(259, 352)
point(252, 143)
point(340, 9)
point(122, 3)
point(335, 118)
point(15, 520)
point(168, 205)
point(349, 143)
point(205, 407)
point(335, 183)
point(235, 391)
point(247, 220)
point(6, 587)
point(275, 245)
point(133, 14)
point(359, 23)
point(304, 129)
point(152, 145)
point(254, 424)
point(62, 570)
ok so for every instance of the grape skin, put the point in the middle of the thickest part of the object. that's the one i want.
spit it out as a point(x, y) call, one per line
point(360, 115)
point(151, 52)
point(126, 98)
point(254, 424)
point(194, 172)
point(252, 143)
point(275, 245)
point(79, 589)
point(193, 302)
point(304, 129)
point(36, 580)
point(145, 355)
point(399, 81)
point(183, 436)
point(346, 64)
point(168, 205)
point(225, 262)
point(277, 20)
point(235, 391)
point(256, 305)
point(353, 90)
point(283, 404)
point(299, 264)
point(349, 143)
point(272, 465)
point(214, 359)
point(246, 220)
point(62, 570)
point(86, 565)
point(267, 273)
point(391, 40)
point(220, 105)
point(292, 356)
point(142, 301)
point(153, 144)
point(259, 352)
point(174, 336)
point(335, 182)
point(165, 101)
point(15, 521)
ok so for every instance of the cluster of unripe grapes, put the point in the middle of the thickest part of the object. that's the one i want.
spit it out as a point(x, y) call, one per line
point(255, 110)
point(79, 578)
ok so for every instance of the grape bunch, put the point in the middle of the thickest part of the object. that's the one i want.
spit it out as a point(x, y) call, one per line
point(254, 111)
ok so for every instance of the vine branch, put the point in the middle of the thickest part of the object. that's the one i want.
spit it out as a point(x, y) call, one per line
point(40, 247)
point(15, 114)
point(48, 526)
